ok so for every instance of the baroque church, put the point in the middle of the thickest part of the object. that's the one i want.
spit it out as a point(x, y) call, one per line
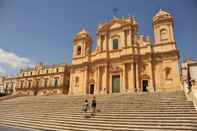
point(125, 61)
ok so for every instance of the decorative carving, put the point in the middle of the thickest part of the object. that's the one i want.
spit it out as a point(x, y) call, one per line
point(115, 69)
point(145, 76)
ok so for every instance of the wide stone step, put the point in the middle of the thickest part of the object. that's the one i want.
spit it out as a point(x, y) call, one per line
point(102, 102)
point(104, 111)
point(96, 120)
point(97, 126)
point(105, 123)
point(105, 101)
point(111, 116)
point(112, 108)
point(106, 107)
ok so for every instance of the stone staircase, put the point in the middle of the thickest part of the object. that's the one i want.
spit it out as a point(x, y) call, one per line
point(128, 112)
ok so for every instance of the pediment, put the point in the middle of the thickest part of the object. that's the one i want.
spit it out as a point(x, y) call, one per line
point(115, 25)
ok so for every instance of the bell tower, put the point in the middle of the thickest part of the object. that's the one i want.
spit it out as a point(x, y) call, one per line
point(82, 44)
point(163, 27)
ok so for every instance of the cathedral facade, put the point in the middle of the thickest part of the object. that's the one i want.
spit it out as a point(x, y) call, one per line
point(125, 61)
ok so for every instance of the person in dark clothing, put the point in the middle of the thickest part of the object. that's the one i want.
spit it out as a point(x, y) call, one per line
point(189, 86)
point(93, 105)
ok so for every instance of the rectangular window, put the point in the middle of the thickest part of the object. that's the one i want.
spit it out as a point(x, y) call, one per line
point(45, 82)
point(21, 84)
point(30, 83)
point(56, 82)
point(37, 82)
point(102, 41)
point(115, 44)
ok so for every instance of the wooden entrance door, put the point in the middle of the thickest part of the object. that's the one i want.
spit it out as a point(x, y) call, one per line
point(92, 89)
point(115, 83)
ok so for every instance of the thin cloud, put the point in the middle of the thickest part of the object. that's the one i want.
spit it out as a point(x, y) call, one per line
point(2, 70)
point(12, 61)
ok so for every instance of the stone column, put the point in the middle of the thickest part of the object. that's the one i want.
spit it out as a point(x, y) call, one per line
point(105, 80)
point(85, 86)
point(98, 80)
point(71, 85)
point(152, 77)
point(123, 87)
point(137, 78)
point(132, 80)
point(129, 39)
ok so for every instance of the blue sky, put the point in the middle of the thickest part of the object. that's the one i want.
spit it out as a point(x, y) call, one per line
point(33, 31)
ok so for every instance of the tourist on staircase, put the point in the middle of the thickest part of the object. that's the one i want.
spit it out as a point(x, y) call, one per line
point(85, 107)
point(93, 105)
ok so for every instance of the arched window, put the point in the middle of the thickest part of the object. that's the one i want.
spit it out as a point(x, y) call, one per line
point(115, 44)
point(79, 50)
point(163, 34)
point(168, 73)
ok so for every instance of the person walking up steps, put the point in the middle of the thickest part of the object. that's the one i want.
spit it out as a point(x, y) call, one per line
point(85, 107)
point(93, 106)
